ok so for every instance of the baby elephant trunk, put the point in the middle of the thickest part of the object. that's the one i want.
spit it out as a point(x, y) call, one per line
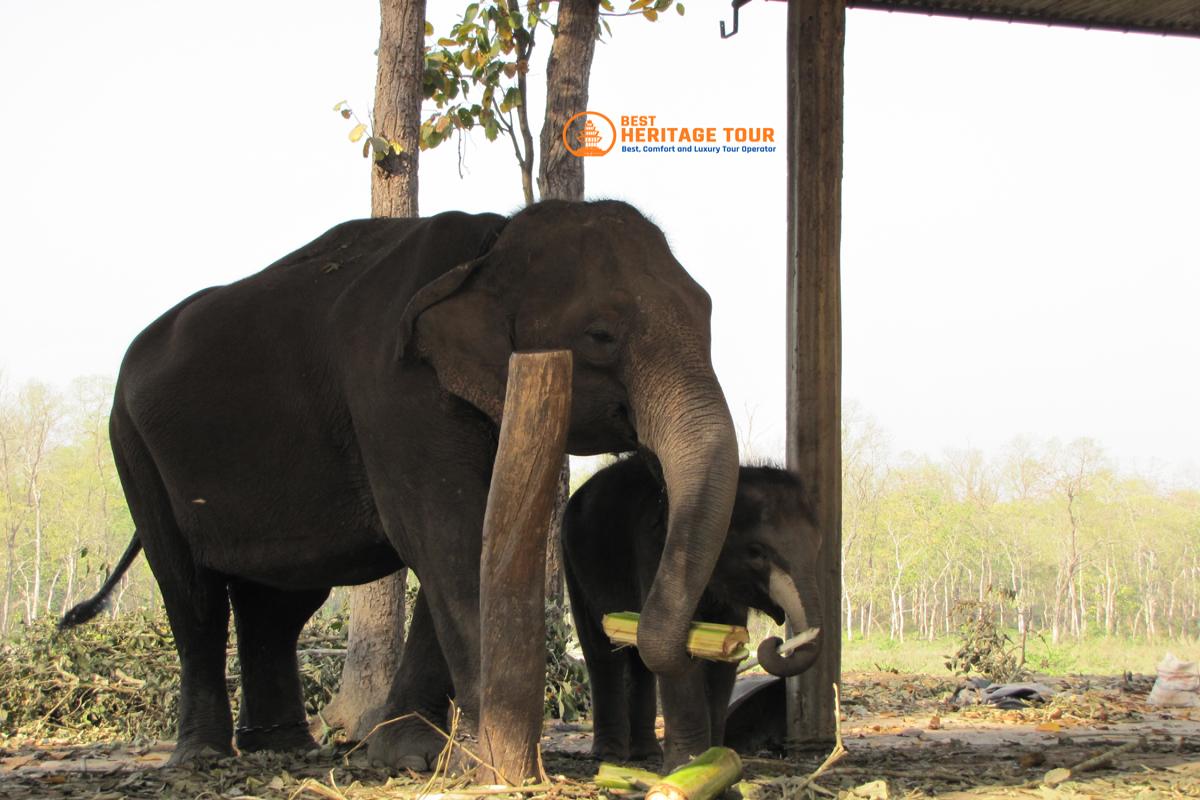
point(800, 652)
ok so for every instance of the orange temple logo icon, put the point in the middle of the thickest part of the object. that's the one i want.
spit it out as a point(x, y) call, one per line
point(594, 137)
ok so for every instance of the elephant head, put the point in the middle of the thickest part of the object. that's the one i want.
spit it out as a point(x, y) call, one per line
point(599, 279)
point(769, 562)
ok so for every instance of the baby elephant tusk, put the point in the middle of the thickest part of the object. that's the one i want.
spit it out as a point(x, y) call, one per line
point(798, 641)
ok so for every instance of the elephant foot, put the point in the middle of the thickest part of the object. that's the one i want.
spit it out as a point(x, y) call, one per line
point(194, 750)
point(614, 750)
point(409, 744)
point(281, 737)
point(645, 751)
point(675, 757)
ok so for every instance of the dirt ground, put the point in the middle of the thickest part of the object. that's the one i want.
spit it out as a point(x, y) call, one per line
point(903, 740)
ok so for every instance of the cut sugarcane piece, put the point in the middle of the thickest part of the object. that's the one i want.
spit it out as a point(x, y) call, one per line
point(709, 640)
point(704, 777)
point(615, 776)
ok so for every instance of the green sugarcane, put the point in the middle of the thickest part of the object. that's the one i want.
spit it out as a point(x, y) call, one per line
point(615, 776)
point(702, 778)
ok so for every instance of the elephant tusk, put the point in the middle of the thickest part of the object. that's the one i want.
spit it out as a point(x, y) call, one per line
point(798, 641)
point(782, 590)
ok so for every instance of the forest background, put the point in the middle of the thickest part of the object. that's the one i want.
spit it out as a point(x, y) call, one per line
point(1055, 542)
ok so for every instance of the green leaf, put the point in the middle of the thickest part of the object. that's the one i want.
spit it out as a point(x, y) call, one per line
point(472, 10)
point(679, 8)
point(662, 5)
point(428, 29)
point(357, 132)
point(380, 146)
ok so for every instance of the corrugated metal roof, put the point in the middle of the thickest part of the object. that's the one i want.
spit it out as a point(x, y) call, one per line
point(1180, 17)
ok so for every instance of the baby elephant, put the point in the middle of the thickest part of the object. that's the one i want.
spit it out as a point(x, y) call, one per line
point(613, 535)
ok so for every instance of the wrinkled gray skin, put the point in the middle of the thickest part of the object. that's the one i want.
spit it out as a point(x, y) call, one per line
point(334, 417)
point(613, 534)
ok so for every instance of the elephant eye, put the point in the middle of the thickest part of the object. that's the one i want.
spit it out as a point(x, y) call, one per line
point(600, 335)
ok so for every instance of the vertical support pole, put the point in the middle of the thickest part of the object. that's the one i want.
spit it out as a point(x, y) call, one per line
point(512, 595)
point(815, 44)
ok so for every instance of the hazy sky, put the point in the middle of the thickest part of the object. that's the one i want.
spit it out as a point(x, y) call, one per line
point(1021, 204)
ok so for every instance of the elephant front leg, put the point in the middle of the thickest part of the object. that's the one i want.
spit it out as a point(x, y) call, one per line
point(720, 678)
point(422, 687)
point(686, 714)
point(643, 710)
point(268, 621)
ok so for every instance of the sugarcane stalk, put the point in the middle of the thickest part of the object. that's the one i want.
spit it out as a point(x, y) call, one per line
point(709, 640)
point(704, 777)
point(615, 776)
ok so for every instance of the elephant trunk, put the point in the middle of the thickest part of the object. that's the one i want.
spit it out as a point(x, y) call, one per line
point(804, 618)
point(684, 419)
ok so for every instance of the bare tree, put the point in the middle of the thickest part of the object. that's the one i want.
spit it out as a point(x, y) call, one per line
point(376, 638)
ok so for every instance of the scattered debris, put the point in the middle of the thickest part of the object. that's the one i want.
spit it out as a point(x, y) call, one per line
point(1178, 683)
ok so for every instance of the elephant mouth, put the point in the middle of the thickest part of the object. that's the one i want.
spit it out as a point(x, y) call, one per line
point(626, 431)
point(775, 613)
point(605, 430)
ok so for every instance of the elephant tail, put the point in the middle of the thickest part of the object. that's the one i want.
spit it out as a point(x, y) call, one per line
point(89, 608)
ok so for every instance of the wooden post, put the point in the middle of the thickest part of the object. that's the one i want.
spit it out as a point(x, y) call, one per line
point(815, 42)
point(512, 596)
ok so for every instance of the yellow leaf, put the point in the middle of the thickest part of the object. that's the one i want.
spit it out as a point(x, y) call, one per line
point(428, 29)
point(442, 124)
point(396, 148)
point(357, 132)
point(444, 42)
point(650, 14)
point(1048, 727)
point(636, 4)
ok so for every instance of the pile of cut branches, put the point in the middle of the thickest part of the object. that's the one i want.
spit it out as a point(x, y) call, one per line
point(119, 678)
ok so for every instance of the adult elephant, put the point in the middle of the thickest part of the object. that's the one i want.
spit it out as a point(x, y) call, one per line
point(334, 417)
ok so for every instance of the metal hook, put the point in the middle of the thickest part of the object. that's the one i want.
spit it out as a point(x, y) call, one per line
point(736, 5)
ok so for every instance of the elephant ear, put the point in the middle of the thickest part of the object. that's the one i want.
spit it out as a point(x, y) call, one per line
point(462, 330)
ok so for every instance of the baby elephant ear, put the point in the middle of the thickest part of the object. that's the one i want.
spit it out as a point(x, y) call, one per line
point(461, 330)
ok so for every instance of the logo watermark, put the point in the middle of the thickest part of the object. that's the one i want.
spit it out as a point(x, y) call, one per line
point(594, 135)
point(590, 133)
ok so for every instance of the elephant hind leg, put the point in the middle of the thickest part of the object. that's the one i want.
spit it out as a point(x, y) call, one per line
point(268, 623)
point(195, 599)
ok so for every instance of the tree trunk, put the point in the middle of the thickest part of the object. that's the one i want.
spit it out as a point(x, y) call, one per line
point(376, 639)
point(397, 115)
point(373, 651)
point(560, 174)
